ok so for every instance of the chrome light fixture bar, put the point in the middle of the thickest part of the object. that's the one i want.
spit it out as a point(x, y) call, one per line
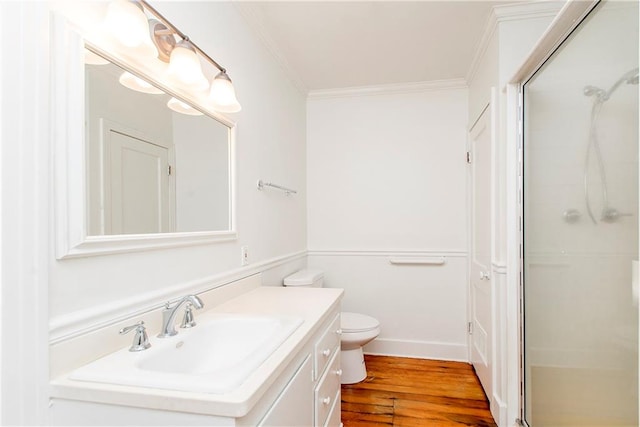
point(184, 63)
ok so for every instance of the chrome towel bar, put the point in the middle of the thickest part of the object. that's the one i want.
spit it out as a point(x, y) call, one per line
point(262, 184)
point(417, 261)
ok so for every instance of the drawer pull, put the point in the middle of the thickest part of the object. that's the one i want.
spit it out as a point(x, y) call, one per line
point(326, 352)
point(339, 331)
point(339, 372)
point(326, 400)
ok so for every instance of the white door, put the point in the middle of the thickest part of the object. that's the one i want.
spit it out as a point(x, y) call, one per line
point(480, 254)
point(137, 185)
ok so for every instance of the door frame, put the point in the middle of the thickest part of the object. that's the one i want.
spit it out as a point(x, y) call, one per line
point(106, 127)
point(568, 19)
point(496, 266)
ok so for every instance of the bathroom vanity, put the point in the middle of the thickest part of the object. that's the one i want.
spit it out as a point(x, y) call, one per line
point(297, 384)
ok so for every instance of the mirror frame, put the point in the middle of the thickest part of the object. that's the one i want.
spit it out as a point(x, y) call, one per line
point(69, 155)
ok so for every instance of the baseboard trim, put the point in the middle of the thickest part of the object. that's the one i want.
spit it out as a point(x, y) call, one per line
point(419, 349)
point(498, 410)
point(81, 322)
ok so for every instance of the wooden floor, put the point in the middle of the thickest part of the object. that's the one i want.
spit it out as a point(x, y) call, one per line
point(401, 391)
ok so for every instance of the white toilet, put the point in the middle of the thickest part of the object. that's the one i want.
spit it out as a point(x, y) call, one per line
point(357, 329)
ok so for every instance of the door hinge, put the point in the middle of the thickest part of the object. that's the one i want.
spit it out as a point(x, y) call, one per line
point(470, 328)
point(468, 156)
point(169, 170)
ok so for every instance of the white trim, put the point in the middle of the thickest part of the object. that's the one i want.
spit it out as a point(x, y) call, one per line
point(67, 101)
point(569, 17)
point(513, 310)
point(388, 89)
point(483, 44)
point(498, 410)
point(420, 349)
point(68, 326)
point(388, 252)
point(2, 64)
point(25, 222)
point(504, 13)
point(528, 10)
point(248, 12)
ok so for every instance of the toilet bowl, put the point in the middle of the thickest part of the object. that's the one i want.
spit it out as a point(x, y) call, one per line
point(357, 329)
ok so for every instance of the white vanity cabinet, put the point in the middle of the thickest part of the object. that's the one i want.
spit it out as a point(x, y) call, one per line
point(293, 407)
point(312, 396)
point(327, 374)
point(298, 386)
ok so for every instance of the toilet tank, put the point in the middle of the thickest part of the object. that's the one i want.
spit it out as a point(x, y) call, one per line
point(305, 278)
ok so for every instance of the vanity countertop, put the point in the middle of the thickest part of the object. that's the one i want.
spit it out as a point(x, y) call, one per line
point(311, 304)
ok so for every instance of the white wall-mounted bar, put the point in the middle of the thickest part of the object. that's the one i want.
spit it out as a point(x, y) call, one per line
point(417, 261)
point(262, 184)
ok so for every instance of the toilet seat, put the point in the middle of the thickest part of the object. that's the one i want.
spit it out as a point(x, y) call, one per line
point(356, 322)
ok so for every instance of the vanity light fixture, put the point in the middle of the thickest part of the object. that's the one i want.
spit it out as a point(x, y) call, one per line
point(127, 23)
point(130, 81)
point(182, 107)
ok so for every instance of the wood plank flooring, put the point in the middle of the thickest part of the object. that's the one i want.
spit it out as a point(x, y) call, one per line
point(400, 391)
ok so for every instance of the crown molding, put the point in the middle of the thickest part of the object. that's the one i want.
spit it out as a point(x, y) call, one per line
point(254, 22)
point(509, 12)
point(388, 89)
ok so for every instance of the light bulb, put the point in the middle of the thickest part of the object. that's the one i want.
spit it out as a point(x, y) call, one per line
point(184, 67)
point(182, 107)
point(127, 23)
point(223, 95)
point(130, 81)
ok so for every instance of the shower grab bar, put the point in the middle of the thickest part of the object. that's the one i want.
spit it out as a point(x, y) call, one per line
point(262, 184)
point(417, 261)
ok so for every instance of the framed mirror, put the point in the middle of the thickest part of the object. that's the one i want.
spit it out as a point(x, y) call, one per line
point(140, 165)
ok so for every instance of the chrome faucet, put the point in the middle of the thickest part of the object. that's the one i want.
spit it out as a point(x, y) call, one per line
point(169, 315)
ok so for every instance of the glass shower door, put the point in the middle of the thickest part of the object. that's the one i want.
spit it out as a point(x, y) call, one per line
point(581, 227)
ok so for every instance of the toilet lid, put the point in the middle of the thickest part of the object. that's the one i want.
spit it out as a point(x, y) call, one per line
point(356, 322)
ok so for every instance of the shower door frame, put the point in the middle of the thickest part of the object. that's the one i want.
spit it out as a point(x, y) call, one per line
point(568, 19)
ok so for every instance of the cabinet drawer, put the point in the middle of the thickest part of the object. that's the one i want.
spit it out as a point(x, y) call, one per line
point(333, 419)
point(327, 390)
point(326, 345)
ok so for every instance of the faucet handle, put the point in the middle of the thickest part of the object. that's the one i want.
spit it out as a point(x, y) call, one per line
point(140, 339)
point(188, 320)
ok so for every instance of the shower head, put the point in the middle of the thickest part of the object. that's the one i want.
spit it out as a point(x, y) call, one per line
point(633, 77)
point(630, 78)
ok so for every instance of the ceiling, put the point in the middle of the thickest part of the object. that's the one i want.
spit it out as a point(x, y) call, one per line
point(341, 44)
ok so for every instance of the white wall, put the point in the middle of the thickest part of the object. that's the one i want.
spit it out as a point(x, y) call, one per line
point(386, 175)
point(71, 295)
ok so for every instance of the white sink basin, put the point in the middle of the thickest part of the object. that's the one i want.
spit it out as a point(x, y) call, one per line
point(214, 357)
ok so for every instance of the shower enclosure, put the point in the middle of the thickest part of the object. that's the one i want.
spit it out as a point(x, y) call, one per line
point(580, 287)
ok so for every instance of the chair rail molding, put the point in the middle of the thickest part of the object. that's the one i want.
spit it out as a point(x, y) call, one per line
point(77, 323)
